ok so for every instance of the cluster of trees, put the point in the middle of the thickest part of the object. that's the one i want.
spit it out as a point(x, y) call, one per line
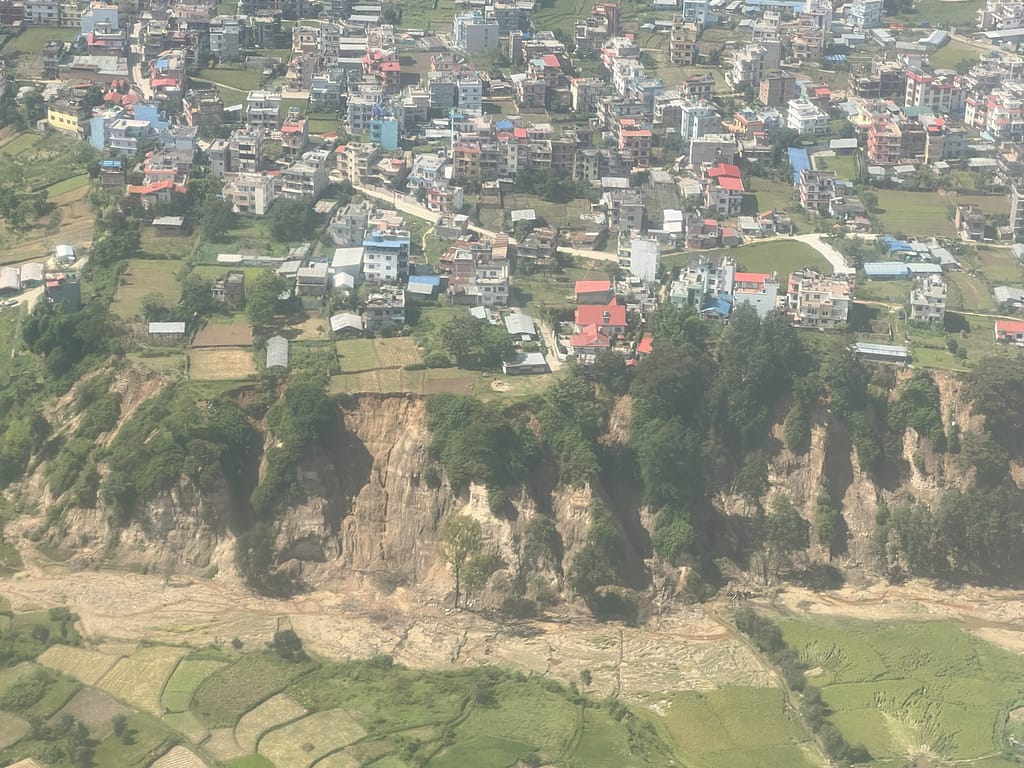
point(66, 339)
point(290, 220)
point(20, 208)
point(475, 345)
point(556, 188)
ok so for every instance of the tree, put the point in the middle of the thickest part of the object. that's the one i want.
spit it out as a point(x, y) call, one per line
point(288, 646)
point(786, 533)
point(461, 539)
point(215, 220)
point(474, 344)
point(261, 298)
point(196, 298)
point(291, 220)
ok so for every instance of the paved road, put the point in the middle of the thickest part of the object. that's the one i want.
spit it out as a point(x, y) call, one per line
point(832, 256)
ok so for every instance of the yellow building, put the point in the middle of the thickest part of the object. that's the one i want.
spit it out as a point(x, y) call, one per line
point(69, 116)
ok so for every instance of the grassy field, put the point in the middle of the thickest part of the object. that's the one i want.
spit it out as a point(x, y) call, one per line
point(229, 693)
point(555, 214)
point(233, 76)
point(924, 214)
point(782, 256)
point(940, 13)
point(844, 165)
point(139, 678)
point(32, 39)
point(183, 682)
point(889, 291)
point(968, 292)
point(952, 53)
point(68, 185)
point(143, 278)
point(999, 266)
point(901, 690)
point(715, 729)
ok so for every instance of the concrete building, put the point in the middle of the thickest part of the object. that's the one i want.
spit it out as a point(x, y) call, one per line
point(682, 44)
point(817, 188)
point(777, 89)
point(348, 227)
point(640, 255)
point(386, 256)
point(307, 177)
point(473, 33)
point(251, 193)
point(695, 12)
point(262, 110)
point(804, 117)
point(865, 14)
point(230, 289)
point(818, 301)
point(928, 300)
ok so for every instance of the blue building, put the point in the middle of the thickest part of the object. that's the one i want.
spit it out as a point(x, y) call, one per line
point(384, 130)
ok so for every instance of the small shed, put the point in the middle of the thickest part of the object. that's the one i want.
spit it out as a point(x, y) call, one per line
point(885, 353)
point(520, 326)
point(166, 333)
point(842, 146)
point(10, 280)
point(886, 270)
point(169, 225)
point(65, 254)
point(32, 275)
point(347, 324)
point(525, 363)
point(277, 352)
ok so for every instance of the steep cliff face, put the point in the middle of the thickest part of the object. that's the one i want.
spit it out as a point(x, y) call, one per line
point(374, 504)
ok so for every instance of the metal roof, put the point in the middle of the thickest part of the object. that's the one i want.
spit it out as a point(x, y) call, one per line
point(924, 268)
point(518, 324)
point(346, 320)
point(277, 352)
point(882, 350)
point(172, 328)
point(886, 269)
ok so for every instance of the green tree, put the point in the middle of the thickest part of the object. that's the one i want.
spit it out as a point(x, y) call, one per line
point(461, 539)
point(785, 534)
point(216, 220)
point(291, 220)
point(261, 298)
point(474, 344)
point(287, 645)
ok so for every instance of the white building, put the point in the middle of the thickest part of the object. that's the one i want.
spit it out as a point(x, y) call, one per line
point(928, 301)
point(99, 16)
point(695, 12)
point(386, 256)
point(262, 110)
point(307, 176)
point(865, 14)
point(805, 118)
point(641, 256)
point(473, 33)
point(250, 193)
point(761, 291)
point(469, 93)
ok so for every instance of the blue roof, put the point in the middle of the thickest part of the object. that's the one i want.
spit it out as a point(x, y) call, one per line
point(798, 160)
point(896, 245)
point(382, 243)
point(505, 125)
point(425, 279)
point(886, 269)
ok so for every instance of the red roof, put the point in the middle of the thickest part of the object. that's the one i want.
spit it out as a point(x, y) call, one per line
point(590, 336)
point(646, 345)
point(731, 183)
point(1009, 326)
point(148, 189)
point(391, 66)
point(160, 82)
point(593, 286)
point(610, 314)
point(750, 277)
point(550, 60)
point(724, 169)
point(293, 127)
point(519, 133)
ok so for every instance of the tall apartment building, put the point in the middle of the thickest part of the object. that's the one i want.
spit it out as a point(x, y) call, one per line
point(777, 89)
point(473, 33)
point(682, 44)
point(943, 94)
point(386, 256)
point(818, 301)
point(748, 66)
point(262, 110)
point(928, 300)
point(865, 14)
point(1017, 212)
point(245, 150)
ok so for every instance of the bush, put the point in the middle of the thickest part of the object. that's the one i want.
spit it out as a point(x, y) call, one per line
point(437, 360)
point(416, 367)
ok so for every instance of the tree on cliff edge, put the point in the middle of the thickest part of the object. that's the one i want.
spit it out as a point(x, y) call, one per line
point(461, 539)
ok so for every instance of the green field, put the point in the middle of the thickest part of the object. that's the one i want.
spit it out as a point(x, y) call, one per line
point(21, 144)
point(782, 256)
point(999, 265)
point(229, 693)
point(924, 214)
point(68, 185)
point(555, 214)
point(903, 689)
point(952, 53)
point(940, 13)
point(32, 39)
point(844, 165)
point(183, 682)
point(233, 76)
point(357, 355)
point(143, 278)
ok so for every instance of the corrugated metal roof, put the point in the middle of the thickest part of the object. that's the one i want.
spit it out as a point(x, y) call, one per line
point(277, 352)
point(886, 269)
point(518, 324)
point(882, 350)
point(166, 328)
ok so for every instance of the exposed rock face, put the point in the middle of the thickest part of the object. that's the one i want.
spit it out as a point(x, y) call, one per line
point(373, 506)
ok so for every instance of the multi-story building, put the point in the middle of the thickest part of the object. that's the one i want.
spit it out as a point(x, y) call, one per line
point(245, 150)
point(928, 300)
point(777, 89)
point(585, 93)
point(702, 280)
point(943, 94)
point(263, 110)
point(748, 66)
point(348, 227)
point(817, 188)
point(294, 135)
point(625, 209)
point(1001, 14)
point(865, 14)
point(885, 142)
point(695, 12)
point(759, 290)
point(226, 37)
point(970, 222)
point(469, 93)
point(356, 160)
point(724, 191)
point(698, 118)
point(473, 33)
point(44, 13)
point(68, 114)
point(384, 306)
point(204, 110)
point(325, 91)
point(386, 256)
point(1017, 213)
point(230, 289)
point(640, 255)
point(804, 117)
point(307, 177)
point(682, 43)
point(98, 16)
point(635, 142)
point(886, 80)
point(445, 199)
point(818, 301)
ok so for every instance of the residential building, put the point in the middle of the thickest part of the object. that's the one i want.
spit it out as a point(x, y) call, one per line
point(970, 222)
point(804, 117)
point(294, 135)
point(204, 110)
point(818, 301)
point(473, 33)
point(230, 289)
point(348, 227)
point(608, 319)
point(307, 177)
point(384, 306)
point(250, 193)
point(885, 142)
point(1010, 332)
point(759, 290)
point(245, 150)
point(748, 66)
point(713, 148)
point(777, 89)
point(943, 94)
point(695, 12)
point(68, 114)
point(226, 33)
point(445, 199)
point(98, 16)
point(702, 281)
point(593, 291)
point(724, 190)
point(312, 280)
point(262, 110)
point(44, 13)
point(682, 43)
point(53, 54)
point(640, 255)
point(1017, 213)
point(865, 14)
point(386, 256)
point(625, 209)
point(385, 130)
point(928, 300)
point(356, 161)
point(817, 188)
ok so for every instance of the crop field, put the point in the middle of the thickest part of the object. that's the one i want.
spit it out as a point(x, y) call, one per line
point(96, 709)
point(144, 278)
point(12, 729)
point(229, 693)
point(139, 678)
point(397, 352)
point(903, 689)
point(179, 757)
point(183, 682)
point(148, 737)
point(187, 724)
point(222, 364)
point(968, 292)
point(434, 381)
point(303, 742)
point(86, 666)
point(556, 214)
point(356, 355)
point(999, 265)
point(782, 256)
point(715, 728)
point(274, 712)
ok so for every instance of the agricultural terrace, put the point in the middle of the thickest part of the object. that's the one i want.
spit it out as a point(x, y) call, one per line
point(900, 690)
point(139, 678)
